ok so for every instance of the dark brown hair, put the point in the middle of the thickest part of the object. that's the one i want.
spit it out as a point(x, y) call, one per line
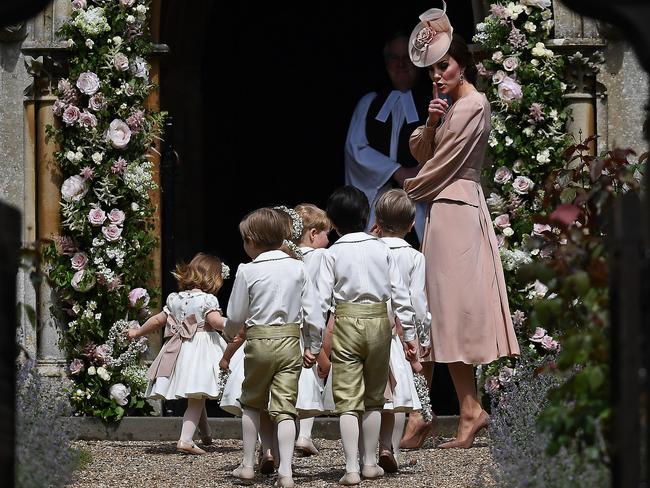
point(463, 56)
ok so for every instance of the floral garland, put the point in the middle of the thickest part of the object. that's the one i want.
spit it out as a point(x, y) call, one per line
point(296, 230)
point(102, 261)
point(423, 391)
point(527, 142)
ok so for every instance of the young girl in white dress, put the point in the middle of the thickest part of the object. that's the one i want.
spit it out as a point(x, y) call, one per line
point(312, 243)
point(187, 364)
point(395, 216)
point(272, 297)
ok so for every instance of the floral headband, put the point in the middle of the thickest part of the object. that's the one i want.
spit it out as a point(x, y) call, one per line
point(225, 271)
point(296, 229)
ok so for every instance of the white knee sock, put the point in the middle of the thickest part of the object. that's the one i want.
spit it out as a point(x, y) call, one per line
point(286, 440)
point(370, 427)
point(305, 427)
point(266, 433)
point(204, 426)
point(398, 432)
point(191, 418)
point(386, 430)
point(250, 423)
point(349, 425)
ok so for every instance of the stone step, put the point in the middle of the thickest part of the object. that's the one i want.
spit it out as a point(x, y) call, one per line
point(167, 428)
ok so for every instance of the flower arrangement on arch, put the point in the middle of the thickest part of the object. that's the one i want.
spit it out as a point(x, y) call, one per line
point(100, 265)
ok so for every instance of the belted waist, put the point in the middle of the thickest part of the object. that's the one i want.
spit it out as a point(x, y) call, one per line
point(361, 310)
point(273, 331)
point(469, 173)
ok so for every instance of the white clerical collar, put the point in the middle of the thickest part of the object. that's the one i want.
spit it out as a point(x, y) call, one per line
point(408, 106)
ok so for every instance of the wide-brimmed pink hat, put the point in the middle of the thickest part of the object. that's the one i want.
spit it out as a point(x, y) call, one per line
point(431, 38)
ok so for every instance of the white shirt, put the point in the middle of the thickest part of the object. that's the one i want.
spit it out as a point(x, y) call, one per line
point(370, 170)
point(412, 270)
point(359, 268)
point(312, 257)
point(274, 289)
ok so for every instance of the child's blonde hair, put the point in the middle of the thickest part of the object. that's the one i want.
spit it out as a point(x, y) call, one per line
point(266, 228)
point(312, 218)
point(204, 272)
point(395, 211)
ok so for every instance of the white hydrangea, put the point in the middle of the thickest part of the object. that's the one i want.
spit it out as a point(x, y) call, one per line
point(138, 178)
point(513, 259)
point(92, 21)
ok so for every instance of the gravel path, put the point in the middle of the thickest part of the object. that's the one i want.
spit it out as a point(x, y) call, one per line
point(138, 464)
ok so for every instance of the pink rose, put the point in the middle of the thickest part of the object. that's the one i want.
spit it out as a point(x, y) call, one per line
point(87, 120)
point(498, 77)
point(138, 298)
point(517, 166)
point(505, 375)
point(76, 367)
point(501, 240)
point(96, 217)
point(97, 102)
point(116, 216)
point(481, 69)
point(121, 62)
point(70, 115)
point(502, 221)
point(502, 175)
point(101, 353)
point(112, 232)
point(126, 3)
point(140, 68)
point(118, 134)
point(510, 63)
point(523, 185)
point(548, 343)
point(79, 261)
point(82, 280)
point(58, 108)
point(539, 229)
point(492, 384)
point(88, 83)
point(538, 335)
point(78, 4)
point(509, 90)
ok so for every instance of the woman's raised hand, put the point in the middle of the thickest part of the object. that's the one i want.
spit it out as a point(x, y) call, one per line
point(437, 108)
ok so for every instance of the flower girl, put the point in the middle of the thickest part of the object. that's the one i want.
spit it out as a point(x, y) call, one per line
point(187, 365)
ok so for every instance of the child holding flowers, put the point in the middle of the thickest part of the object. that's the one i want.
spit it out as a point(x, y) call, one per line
point(186, 366)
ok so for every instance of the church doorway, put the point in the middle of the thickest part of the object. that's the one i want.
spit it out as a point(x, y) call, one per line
point(260, 97)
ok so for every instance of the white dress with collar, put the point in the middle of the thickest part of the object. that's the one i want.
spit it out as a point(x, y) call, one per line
point(196, 372)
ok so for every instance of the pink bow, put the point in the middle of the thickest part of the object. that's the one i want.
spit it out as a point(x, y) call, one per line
point(164, 363)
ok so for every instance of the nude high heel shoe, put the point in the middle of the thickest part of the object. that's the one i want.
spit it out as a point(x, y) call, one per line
point(481, 422)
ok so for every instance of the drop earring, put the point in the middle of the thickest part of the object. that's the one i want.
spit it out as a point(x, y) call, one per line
point(462, 78)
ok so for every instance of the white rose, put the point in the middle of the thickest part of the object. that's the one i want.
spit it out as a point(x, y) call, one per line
point(508, 232)
point(130, 19)
point(103, 374)
point(92, 371)
point(88, 83)
point(90, 43)
point(118, 134)
point(497, 56)
point(127, 3)
point(544, 156)
point(135, 207)
point(97, 157)
point(534, 62)
point(140, 68)
point(119, 393)
point(74, 188)
point(117, 40)
point(121, 62)
point(141, 9)
point(498, 77)
point(70, 156)
point(540, 289)
point(530, 27)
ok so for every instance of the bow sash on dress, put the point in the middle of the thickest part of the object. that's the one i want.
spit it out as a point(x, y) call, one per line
point(164, 363)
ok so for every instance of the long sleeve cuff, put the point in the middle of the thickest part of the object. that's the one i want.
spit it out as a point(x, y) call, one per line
point(409, 333)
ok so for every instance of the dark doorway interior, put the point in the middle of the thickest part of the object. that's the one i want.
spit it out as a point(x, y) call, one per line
point(261, 96)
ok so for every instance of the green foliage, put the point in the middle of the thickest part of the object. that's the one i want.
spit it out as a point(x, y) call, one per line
point(105, 137)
